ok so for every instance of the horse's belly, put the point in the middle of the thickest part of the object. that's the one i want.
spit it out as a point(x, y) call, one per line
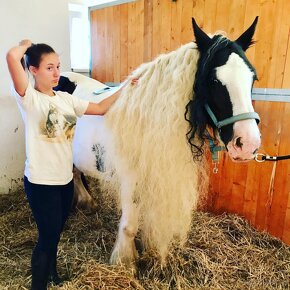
point(89, 144)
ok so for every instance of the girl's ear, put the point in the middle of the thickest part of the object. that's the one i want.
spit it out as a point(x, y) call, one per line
point(32, 70)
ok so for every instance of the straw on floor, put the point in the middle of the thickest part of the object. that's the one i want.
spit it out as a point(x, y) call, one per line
point(222, 252)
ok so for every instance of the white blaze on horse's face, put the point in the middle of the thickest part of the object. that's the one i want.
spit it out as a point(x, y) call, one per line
point(237, 77)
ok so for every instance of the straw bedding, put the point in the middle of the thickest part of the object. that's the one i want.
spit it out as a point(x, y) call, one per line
point(222, 252)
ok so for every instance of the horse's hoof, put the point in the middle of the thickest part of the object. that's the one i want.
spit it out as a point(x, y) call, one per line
point(128, 261)
point(87, 205)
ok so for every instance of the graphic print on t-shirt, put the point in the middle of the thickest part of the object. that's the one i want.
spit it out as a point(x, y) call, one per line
point(57, 127)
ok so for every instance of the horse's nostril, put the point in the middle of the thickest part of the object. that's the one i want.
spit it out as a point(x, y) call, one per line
point(255, 151)
point(237, 159)
point(239, 143)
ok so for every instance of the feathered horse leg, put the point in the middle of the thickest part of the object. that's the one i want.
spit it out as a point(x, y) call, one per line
point(124, 251)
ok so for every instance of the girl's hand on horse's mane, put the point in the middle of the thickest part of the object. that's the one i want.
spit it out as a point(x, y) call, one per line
point(134, 81)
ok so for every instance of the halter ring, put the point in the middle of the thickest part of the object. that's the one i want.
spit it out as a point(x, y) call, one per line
point(259, 157)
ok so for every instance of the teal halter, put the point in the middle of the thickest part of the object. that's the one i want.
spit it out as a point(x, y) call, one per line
point(231, 120)
point(215, 149)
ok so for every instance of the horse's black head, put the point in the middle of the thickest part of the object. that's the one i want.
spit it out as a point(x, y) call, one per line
point(223, 82)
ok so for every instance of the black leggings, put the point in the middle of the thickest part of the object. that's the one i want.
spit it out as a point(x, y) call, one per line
point(50, 205)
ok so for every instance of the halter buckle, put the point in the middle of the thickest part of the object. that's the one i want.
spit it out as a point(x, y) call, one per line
point(215, 169)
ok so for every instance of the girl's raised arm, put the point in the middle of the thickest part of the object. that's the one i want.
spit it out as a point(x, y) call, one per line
point(17, 71)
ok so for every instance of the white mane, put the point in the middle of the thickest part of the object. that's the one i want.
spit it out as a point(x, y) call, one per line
point(149, 140)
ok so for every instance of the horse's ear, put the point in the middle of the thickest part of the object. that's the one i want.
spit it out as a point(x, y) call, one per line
point(202, 39)
point(245, 40)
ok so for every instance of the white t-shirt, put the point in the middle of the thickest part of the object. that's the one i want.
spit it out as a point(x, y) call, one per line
point(49, 129)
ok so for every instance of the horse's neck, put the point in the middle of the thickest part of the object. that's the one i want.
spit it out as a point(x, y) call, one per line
point(180, 61)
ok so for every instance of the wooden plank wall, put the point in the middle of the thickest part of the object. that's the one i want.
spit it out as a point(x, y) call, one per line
point(127, 35)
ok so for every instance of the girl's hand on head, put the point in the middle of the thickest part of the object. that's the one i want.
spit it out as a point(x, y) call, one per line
point(25, 42)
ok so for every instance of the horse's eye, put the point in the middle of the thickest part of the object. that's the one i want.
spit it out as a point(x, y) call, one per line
point(215, 80)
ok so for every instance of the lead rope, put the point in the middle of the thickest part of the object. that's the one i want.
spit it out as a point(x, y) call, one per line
point(215, 149)
point(262, 157)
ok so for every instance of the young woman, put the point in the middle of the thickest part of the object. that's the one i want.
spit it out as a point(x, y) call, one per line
point(49, 118)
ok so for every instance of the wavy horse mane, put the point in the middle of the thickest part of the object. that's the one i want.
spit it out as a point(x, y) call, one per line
point(195, 113)
point(149, 143)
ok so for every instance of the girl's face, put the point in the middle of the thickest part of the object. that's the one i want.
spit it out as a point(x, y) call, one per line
point(47, 74)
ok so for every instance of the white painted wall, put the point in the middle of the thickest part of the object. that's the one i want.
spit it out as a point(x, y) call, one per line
point(41, 21)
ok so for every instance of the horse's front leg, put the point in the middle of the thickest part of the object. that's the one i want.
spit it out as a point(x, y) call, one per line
point(124, 251)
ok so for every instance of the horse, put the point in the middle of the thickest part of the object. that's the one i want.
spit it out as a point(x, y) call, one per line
point(152, 139)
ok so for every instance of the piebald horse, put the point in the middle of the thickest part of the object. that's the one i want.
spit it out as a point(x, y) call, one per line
point(149, 146)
